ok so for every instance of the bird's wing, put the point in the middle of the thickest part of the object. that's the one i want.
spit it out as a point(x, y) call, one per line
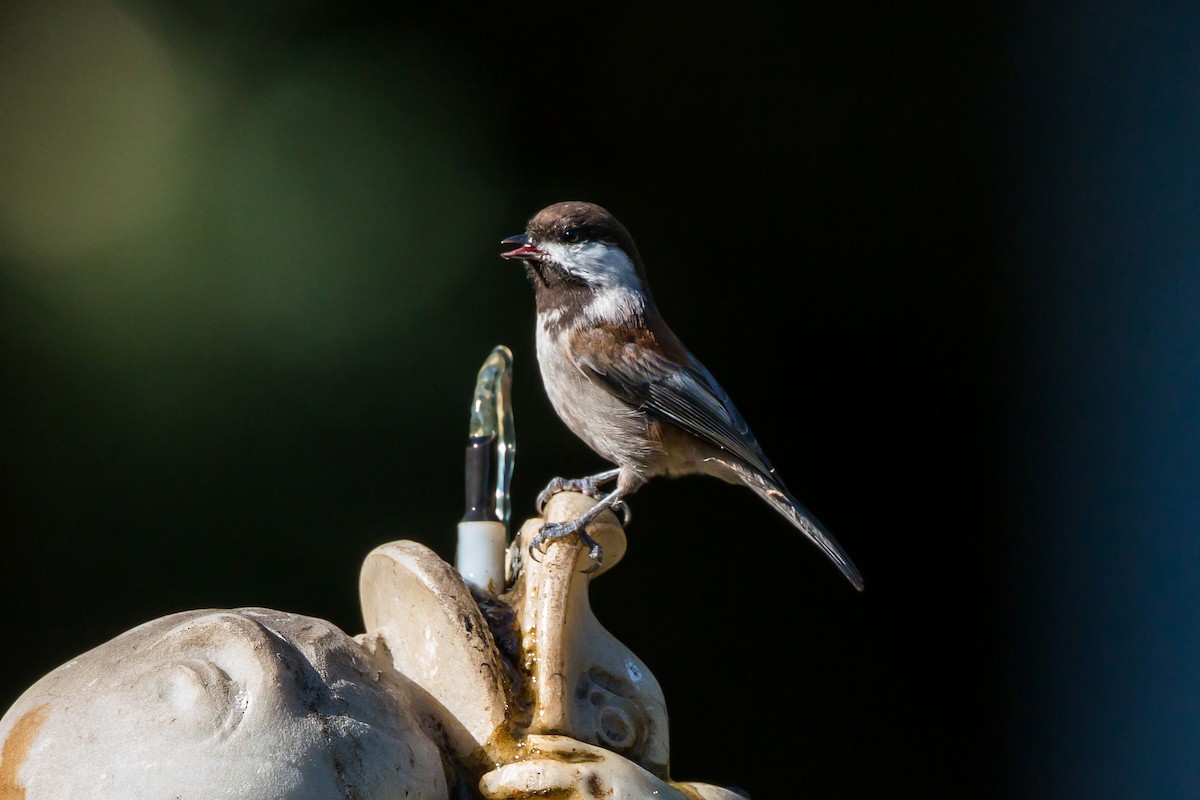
point(686, 394)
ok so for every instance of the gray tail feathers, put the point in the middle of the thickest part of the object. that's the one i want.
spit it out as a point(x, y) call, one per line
point(775, 493)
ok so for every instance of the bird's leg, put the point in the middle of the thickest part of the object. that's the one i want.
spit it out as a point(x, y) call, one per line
point(589, 486)
point(553, 531)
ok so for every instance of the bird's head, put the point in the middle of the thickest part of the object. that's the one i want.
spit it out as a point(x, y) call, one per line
point(577, 245)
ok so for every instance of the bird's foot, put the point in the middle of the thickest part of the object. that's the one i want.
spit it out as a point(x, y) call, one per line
point(553, 531)
point(589, 486)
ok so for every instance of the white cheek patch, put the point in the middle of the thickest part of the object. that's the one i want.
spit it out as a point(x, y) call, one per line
point(595, 262)
point(610, 273)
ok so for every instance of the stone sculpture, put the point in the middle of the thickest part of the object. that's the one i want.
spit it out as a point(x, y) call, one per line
point(449, 693)
point(490, 680)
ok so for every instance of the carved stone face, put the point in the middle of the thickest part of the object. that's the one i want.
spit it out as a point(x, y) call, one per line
point(206, 704)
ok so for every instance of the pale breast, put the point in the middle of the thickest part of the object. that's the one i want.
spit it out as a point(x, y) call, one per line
point(607, 424)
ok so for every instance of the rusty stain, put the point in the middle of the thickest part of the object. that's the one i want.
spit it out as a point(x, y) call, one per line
point(16, 748)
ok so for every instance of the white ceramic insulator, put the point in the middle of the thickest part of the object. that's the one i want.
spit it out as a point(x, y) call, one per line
point(479, 557)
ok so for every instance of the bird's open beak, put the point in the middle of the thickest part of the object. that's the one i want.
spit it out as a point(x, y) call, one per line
point(525, 249)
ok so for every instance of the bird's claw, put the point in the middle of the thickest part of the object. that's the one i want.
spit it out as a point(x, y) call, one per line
point(554, 531)
point(587, 486)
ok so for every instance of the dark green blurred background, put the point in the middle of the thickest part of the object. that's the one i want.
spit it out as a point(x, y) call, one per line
point(944, 258)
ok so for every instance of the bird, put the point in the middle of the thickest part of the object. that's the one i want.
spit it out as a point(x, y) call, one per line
point(624, 383)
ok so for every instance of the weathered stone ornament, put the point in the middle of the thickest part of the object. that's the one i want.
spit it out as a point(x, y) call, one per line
point(501, 688)
point(244, 702)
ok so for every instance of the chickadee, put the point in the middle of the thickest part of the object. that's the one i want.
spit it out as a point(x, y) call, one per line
point(623, 382)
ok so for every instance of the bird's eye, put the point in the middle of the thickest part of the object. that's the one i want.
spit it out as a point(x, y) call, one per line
point(572, 235)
